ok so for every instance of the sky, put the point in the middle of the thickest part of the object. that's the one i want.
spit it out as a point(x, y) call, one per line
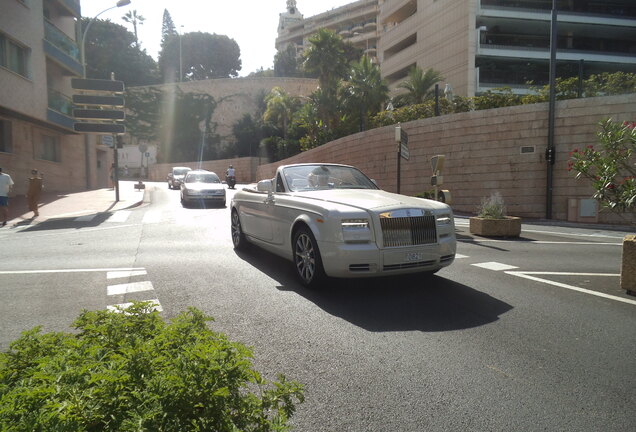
point(251, 23)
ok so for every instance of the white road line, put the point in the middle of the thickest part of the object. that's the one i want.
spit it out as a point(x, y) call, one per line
point(86, 218)
point(458, 256)
point(572, 234)
point(539, 242)
point(125, 273)
point(124, 306)
point(492, 265)
point(119, 216)
point(129, 288)
point(152, 216)
point(526, 275)
point(70, 270)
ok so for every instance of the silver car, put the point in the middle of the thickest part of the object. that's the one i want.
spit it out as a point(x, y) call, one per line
point(200, 186)
point(176, 175)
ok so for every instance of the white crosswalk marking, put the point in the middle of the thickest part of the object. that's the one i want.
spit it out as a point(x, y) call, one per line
point(492, 265)
point(123, 274)
point(458, 256)
point(119, 216)
point(85, 218)
point(129, 288)
point(152, 216)
point(123, 306)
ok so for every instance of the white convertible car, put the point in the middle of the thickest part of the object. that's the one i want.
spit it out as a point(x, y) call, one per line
point(332, 220)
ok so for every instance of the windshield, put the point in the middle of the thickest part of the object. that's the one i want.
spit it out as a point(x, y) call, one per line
point(318, 177)
point(180, 171)
point(203, 178)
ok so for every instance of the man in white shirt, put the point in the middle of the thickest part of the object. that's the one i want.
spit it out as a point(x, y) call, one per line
point(6, 184)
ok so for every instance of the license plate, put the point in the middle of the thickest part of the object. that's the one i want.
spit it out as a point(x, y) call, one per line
point(414, 256)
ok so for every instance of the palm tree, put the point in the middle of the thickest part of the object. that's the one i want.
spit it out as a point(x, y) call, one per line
point(418, 86)
point(366, 92)
point(280, 108)
point(133, 18)
point(326, 58)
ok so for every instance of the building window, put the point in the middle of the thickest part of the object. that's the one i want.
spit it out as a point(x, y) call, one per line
point(49, 148)
point(13, 56)
point(6, 138)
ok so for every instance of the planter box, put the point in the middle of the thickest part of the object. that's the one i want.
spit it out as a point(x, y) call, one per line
point(628, 268)
point(508, 227)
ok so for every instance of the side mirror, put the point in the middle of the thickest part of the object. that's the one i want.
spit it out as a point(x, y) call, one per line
point(264, 186)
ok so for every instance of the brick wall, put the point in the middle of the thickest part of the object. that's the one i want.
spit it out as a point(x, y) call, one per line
point(483, 154)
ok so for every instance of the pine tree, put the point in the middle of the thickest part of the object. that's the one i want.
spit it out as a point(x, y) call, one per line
point(167, 28)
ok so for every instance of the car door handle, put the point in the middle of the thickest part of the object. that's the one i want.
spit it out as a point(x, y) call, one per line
point(270, 200)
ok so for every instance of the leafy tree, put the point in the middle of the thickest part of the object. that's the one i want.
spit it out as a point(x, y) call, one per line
point(280, 109)
point(366, 92)
point(168, 30)
point(135, 372)
point(203, 56)
point(611, 166)
point(186, 130)
point(131, 65)
point(248, 133)
point(135, 19)
point(142, 113)
point(418, 86)
point(286, 63)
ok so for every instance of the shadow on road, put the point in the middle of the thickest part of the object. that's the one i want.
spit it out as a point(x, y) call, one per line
point(399, 303)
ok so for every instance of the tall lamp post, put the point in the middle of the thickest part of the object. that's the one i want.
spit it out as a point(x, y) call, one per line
point(120, 3)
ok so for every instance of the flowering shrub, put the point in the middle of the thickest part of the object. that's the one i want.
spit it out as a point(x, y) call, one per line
point(611, 167)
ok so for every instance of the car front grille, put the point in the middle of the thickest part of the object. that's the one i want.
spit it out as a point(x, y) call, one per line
point(408, 231)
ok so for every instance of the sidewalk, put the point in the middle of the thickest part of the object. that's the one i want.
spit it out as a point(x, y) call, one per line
point(58, 205)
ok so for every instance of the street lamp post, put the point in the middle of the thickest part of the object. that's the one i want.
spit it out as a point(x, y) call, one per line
point(120, 3)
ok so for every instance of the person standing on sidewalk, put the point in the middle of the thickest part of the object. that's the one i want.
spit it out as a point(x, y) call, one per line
point(6, 184)
point(34, 192)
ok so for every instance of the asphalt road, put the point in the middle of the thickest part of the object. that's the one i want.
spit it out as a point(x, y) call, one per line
point(529, 334)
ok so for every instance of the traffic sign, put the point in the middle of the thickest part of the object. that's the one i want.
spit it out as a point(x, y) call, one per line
point(404, 151)
point(110, 101)
point(98, 85)
point(100, 128)
point(99, 114)
point(108, 140)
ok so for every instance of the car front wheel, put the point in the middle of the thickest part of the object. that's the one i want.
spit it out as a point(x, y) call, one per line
point(238, 238)
point(307, 258)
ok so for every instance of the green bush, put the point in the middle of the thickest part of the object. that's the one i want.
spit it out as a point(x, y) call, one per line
point(134, 372)
point(493, 207)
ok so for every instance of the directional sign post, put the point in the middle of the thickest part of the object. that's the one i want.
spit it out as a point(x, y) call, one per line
point(100, 110)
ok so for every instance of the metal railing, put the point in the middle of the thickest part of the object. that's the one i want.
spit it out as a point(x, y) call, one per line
point(60, 102)
point(58, 38)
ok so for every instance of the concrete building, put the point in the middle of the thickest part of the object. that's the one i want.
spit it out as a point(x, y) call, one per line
point(478, 45)
point(39, 54)
point(357, 23)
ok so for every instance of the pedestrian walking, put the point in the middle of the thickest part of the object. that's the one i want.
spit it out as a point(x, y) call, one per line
point(34, 192)
point(6, 184)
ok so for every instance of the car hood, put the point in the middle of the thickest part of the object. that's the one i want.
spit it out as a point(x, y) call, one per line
point(204, 186)
point(371, 199)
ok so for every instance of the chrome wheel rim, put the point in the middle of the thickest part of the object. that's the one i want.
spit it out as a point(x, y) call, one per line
point(236, 229)
point(305, 257)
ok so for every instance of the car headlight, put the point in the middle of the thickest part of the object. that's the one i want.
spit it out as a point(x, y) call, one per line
point(356, 230)
point(444, 219)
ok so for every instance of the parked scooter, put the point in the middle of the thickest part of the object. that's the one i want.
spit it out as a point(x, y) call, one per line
point(231, 181)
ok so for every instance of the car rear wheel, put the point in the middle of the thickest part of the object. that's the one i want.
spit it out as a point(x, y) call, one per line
point(307, 258)
point(238, 238)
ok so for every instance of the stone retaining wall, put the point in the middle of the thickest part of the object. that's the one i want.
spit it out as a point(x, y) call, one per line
point(486, 151)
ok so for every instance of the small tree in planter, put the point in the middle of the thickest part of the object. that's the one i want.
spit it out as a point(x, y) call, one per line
point(492, 221)
point(611, 168)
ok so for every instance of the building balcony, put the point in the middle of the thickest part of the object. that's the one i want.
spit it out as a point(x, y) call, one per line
point(398, 61)
point(370, 25)
point(358, 28)
point(62, 49)
point(401, 31)
point(345, 33)
point(598, 8)
point(60, 109)
point(397, 10)
point(72, 7)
